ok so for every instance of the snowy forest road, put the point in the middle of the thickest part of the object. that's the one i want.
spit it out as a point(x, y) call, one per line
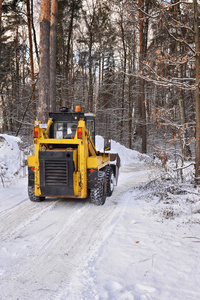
point(44, 245)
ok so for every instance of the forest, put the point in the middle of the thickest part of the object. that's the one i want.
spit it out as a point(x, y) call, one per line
point(133, 63)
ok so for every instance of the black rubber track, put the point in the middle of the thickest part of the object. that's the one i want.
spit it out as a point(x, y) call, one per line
point(110, 180)
point(98, 195)
point(32, 196)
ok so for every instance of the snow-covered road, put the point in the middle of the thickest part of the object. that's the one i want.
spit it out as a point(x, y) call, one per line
point(44, 245)
point(135, 247)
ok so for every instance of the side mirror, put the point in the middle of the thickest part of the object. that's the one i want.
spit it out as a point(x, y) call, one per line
point(107, 144)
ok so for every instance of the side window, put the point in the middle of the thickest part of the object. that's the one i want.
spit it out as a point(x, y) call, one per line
point(91, 129)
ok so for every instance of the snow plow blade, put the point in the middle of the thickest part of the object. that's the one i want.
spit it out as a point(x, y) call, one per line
point(116, 164)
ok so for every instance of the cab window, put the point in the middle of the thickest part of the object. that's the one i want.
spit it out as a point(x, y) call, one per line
point(65, 130)
point(91, 129)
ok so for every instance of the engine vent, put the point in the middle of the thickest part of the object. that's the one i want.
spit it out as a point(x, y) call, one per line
point(56, 172)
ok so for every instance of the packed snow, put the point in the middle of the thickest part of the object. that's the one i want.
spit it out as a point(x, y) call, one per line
point(10, 157)
point(143, 244)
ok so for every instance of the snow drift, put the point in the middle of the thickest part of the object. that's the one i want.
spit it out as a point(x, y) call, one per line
point(126, 155)
point(10, 158)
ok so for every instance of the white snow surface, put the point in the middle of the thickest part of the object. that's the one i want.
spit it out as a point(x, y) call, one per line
point(127, 156)
point(136, 246)
point(10, 157)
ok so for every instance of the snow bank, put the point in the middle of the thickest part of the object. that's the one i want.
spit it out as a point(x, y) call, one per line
point(10, 157)
point(127, 156)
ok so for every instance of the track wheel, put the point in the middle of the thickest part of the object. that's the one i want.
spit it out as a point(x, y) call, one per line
point(98, 195)
point(110, 180)
point(32, 196)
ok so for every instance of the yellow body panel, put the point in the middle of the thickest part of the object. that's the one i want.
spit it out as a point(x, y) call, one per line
point(97, 162)
point(31, 161)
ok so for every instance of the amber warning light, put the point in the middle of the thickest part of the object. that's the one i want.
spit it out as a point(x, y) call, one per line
point(80, 132)
point(77, 108)
point(36, 132)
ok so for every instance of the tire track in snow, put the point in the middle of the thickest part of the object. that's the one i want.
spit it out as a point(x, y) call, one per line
point(72, 217)
point(81, 241)
point(66, 254)
point(56, 264)
point(20, 216)
point(12, 207)
point(55, 239)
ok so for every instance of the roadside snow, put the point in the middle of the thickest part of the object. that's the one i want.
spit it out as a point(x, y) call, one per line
point(127, 156)
point(151, 252)
point(143, 244)
point(10, 158)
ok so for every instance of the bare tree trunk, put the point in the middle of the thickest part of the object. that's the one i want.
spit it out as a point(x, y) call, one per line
point(34, 33)
point(90, 88)
point(5, 117)
point(131, 67)
point(0, 36)
point(197, 98)
point(16, 82)
point(0, 24)
point(184, 136)
point(179, 49)
point(44, 74)
point(71, 74)
point(140, 14)
point(31, 55)
point(69, 43)
point(53, 38)
point(129, 112)
point(123, 79)
point(142, 107)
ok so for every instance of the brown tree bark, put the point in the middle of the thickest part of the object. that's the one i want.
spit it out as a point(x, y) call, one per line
point(69, 41)
point(130, 78)
point(90, 27)
point(124, 77)
point(179, 73)
point(31, 55)
point(90, 88)
point(197, 98)
point(141, 104)
point(53, 38)
point(34, 33)
point(0, 18)
point(44, 72)
point(0, 63)
point(0, 32)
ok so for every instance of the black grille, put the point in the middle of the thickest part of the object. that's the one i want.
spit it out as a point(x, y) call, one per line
point(56, 172)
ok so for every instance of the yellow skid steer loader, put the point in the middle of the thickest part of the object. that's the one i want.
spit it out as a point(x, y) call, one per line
point(66, 162)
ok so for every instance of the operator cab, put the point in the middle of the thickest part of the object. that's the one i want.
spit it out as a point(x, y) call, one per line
point(65, 124)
